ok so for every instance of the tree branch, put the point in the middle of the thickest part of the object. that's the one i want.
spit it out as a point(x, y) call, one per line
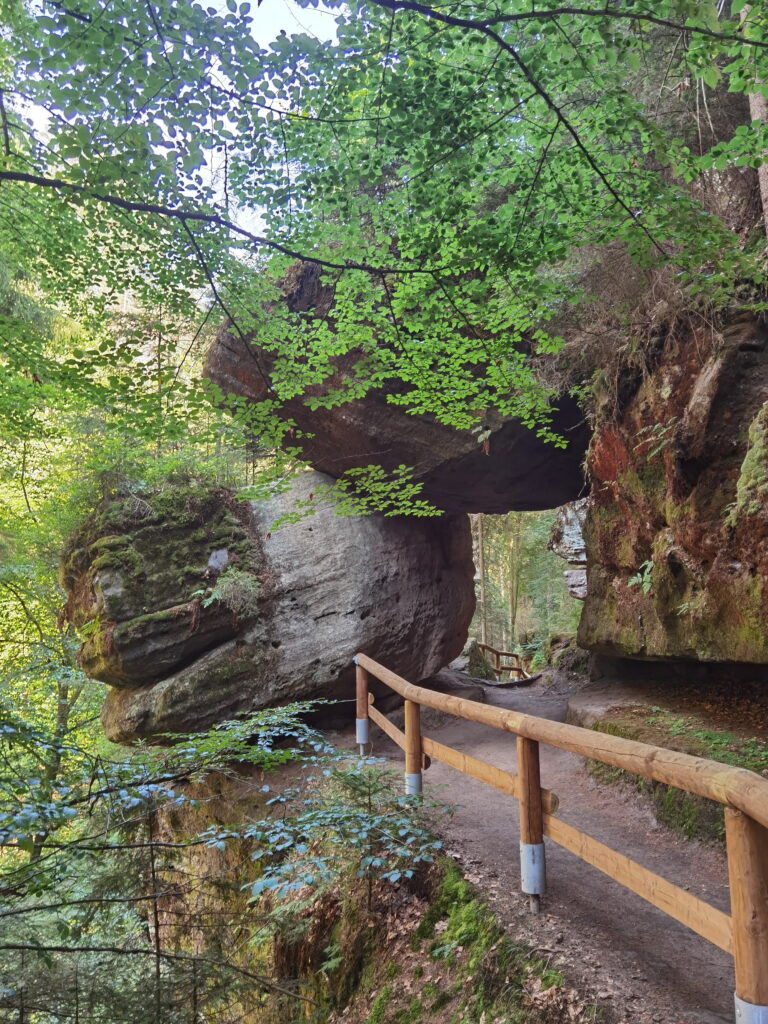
point(30, 617)
point(174, 213)
point(482, 27)
point(606, 12)
point(264, 982)
point(221, 304)
point(4, 119)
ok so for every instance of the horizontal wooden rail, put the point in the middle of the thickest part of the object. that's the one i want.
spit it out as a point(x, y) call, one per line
point(396, 735)
point(506, 782)
point(743, 934)
point(499, 654)
point(702, 918)
point(736, 787)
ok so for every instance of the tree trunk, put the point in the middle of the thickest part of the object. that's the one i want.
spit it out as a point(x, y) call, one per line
point(481, 570)
point(758, 111)
point(514, 578)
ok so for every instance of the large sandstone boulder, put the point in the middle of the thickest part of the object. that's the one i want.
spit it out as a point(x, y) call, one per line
point(677, 528)
point(512, 469)
point(195, 609)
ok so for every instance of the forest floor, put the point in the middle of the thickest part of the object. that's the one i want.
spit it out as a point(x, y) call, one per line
point(635, 963)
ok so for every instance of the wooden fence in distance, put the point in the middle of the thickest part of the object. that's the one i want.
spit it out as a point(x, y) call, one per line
point(743, 933)
point(514, 665)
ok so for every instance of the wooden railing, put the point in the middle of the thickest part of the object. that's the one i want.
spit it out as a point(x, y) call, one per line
point(743, 933)
point(515, 667)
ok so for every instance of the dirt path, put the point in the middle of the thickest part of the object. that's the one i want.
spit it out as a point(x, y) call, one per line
point(637, 964)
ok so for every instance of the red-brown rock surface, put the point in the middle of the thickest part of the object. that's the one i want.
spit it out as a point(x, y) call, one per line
point(677, 528)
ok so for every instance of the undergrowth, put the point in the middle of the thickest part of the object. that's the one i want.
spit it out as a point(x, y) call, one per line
point(462, 968)
point(354, 918)
point(691, 816)
point(429, 951)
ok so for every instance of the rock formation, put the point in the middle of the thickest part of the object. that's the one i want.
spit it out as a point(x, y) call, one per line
point(567, 541)
point(514, 469)
point(677, 530)
point(195, 609)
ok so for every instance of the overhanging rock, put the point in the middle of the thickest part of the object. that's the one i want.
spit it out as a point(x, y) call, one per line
point(513, 470)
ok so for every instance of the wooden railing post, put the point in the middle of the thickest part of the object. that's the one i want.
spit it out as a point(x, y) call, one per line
point(361, 715)
point(413, 758)
point(747, 845)
point(533, 872)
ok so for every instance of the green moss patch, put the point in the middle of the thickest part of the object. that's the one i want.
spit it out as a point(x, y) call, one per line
point(752, 485)
point(685, 813)
point(142, 560)
point(157, 543)
point(455, 965)
point(478, 665)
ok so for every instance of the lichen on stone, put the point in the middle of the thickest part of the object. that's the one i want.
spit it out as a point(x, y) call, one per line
point(752, 485)
point(138, 567)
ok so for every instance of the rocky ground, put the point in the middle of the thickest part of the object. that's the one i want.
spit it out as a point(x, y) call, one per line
point(636, 964)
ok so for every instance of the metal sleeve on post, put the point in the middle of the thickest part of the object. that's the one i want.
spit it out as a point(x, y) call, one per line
point(749, 1013)
point(413, 785)
point(361, 717)
point(533, 869)
point(533, 875)
point(361, 731)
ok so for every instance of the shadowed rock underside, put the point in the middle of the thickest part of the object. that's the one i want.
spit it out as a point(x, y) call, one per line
point(513, 470)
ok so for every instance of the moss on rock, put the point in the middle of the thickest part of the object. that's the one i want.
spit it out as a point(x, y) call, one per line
point(141, 568)
point(677, 525)
point(478, 665)
point(752, 485)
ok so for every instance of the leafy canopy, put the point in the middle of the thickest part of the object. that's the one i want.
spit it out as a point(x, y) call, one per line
point(447, 168)
point(442, 166)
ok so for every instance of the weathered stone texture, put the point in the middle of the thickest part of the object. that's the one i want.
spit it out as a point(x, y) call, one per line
point(567, 541)
point(567, 537)
point(677, 528)
point(514, 469)
point(576, 582)
point(400, 590)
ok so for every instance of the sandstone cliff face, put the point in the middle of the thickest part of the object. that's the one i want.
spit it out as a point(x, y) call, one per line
point(513, 470)
point(677, 528)
point(296, 603)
